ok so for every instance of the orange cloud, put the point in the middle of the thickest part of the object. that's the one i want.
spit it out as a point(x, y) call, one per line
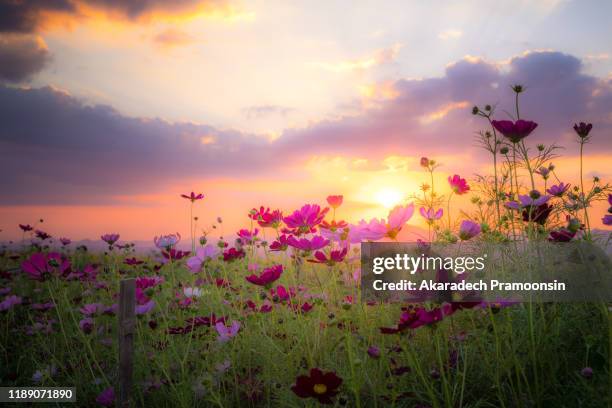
point(379, 57)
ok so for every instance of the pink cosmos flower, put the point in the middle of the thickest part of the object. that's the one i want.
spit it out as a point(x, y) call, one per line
point(202, 254)
point(167, 241)
point(107, 397)
point(317, 242)
point(306, 219)
point(268, 276)
point(193, 196)
point(558, 190)
point(458, 185)
point(335, 256)
point(335, 201)
point(377, 229)
point(514, 131)
point(174, 255)
point(248, 237)
point(9, 302)
point(430, 215)
point(226, 333)
point(424, 162)
point(561, 235)
point(468, 230)
point(145, 282)
point(110, 239)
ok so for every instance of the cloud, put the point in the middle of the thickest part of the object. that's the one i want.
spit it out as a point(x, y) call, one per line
point(450, 34)
point(74, 152)
point(379, 57)
point(28, 16)
point(21, 57)
point(260, 111)
point(172, 37)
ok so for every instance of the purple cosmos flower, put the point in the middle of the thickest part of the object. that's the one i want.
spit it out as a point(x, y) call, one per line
point(9, 302)
point(514, 131)
point(317, 242)
point(468, 229)
point(582, 129)
point(145, 308)
point(374, 352)
point(193, 196)
point(110, 239)
point(167, 241)
point(86, 325)
point(26, 227)
point(107, 397)
point(607, 219)
point(430, 215)
point(526, 200)
point(202, 254)
point(65, 241)
point(226, 333)
point(558, 190)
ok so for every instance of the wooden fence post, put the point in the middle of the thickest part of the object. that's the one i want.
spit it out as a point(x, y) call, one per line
point(127, 323)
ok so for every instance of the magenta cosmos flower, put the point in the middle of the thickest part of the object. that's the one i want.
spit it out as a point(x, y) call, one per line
point(306, 219)
point(40, 265)
point(107, 397)
point(430, 215)
point(193, 196)
point(110, 239)
point(335, 256)
point(335, 201)
point(167, 241)
point(558, 189)
point(515, 131)
point(458, 185)
point(468, 230)
point(318, 385)
point(266, 218)
point(248, 237)
point(268, 276)
point(317, 242)
point(281, 244)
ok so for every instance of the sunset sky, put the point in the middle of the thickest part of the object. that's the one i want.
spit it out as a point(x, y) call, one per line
point(109, 110)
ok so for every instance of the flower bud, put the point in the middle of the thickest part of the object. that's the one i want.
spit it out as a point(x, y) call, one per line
point(488, 108)
point(517, 88)
point(475, 110)
point(203, 240)
point(541, 147)
point(504, 150)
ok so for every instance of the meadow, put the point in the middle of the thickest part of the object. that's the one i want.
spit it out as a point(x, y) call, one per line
point(273, 316)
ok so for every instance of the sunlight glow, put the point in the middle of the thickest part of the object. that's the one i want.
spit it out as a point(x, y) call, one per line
point(388, 197)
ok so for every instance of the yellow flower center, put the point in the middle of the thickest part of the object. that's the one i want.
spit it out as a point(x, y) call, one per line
point(320, 388)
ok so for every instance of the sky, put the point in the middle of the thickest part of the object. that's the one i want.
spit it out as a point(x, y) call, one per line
point(109, 110)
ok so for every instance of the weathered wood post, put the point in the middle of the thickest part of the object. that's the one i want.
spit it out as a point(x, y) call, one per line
point(127, 323)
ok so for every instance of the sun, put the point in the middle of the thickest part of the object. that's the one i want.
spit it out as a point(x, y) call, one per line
point(388, 197)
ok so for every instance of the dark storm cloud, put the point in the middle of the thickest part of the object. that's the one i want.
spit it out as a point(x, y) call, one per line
point(21, 57)
point(25, 16)
point(55, 149)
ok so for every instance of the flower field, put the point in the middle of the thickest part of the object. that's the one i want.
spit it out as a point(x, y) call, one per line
point(272, 315)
